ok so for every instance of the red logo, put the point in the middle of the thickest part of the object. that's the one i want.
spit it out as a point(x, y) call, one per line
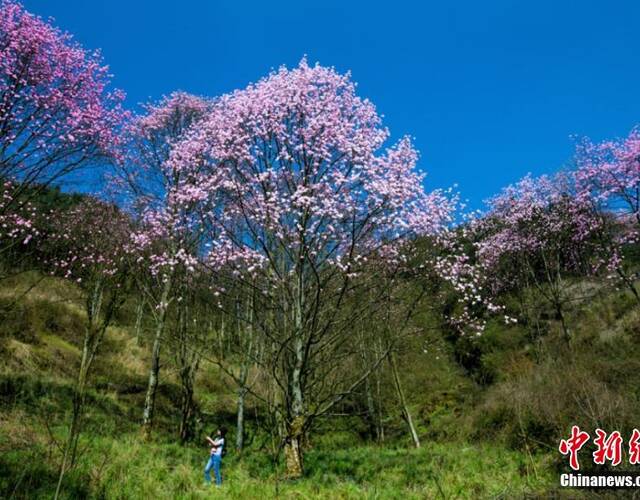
point(573, 445)
point(609, 448)
point(634, 447)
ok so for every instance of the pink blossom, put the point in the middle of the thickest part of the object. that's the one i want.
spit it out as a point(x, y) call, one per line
point(294, 164)
point(56, 112)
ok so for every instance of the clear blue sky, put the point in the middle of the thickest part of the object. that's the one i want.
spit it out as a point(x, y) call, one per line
point(491, 90)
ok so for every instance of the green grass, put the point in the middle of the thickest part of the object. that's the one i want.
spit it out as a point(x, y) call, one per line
point(126, 467)
point(489, 429)
point(115, 463)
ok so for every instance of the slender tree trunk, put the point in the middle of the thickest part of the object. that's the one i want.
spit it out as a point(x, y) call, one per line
point(563, 322)
point(94, 334)
point(378, 386)
point(221, 341)
point(371, 410)
point(371, 419)
point(277, 428)
point(70, 447)
point(403, 402)
point(242, 392)
point(188, 361)
point(138, 325)
point(295, 427)
point(293, 448)
point(554, 280)
point(152, 386)
point(187, 410)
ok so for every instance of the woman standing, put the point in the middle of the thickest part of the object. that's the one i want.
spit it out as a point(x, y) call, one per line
point(215, 458)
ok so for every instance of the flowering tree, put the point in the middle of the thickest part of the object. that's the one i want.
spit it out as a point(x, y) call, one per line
point(298, 199)
point(538, 234)
point(89, 244)
point(168, 238)
point(56, 114)
point(608, 179)
point(468, 294)
point(609, 173)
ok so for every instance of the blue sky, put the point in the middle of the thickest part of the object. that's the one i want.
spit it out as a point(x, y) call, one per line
point(490, 90)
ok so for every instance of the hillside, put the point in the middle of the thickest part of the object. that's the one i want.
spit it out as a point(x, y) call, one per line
point(487, 432)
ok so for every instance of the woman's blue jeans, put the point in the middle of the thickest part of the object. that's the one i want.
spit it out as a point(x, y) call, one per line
point(214, 462)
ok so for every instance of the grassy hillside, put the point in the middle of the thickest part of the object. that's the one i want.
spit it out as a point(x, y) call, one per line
point(489, 413)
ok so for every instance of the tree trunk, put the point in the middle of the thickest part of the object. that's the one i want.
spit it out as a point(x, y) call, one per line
point(371, 418)
point(563, 323)
point(188, 361)
point(242, 379)
point(187, 407)
point(296, 424)
point(403, 402)
point(240, 419)
point(295, 428)
point(152, 386)
point(293, 449)
point(94, 334)
point(242, 394)
point(371, 410)
point(70, 447)
point(188, 369)
point(138, 325)
point(378, 385)
point(221, 339)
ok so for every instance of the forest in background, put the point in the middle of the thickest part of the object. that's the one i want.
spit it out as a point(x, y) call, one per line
point(269, 261)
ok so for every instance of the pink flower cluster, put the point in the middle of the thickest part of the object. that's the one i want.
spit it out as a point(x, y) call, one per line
point(540, 221)
point(608, 177)
point(55, 109)
point(89, 241)
point(169, 233)
point(17, 219)
point(609, 173)
point(292, 165)
point(178, 110)
point(162, 242)
point(471, 285)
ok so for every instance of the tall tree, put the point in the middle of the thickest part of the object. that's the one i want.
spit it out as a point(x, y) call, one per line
point(56, 111)
point(168, 237)
point(89, 244)
point(609, 174)
point(57, 115)
point(608, 179)
point(299, 200)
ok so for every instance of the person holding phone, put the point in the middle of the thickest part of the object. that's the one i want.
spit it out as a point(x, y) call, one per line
point(215, 456)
